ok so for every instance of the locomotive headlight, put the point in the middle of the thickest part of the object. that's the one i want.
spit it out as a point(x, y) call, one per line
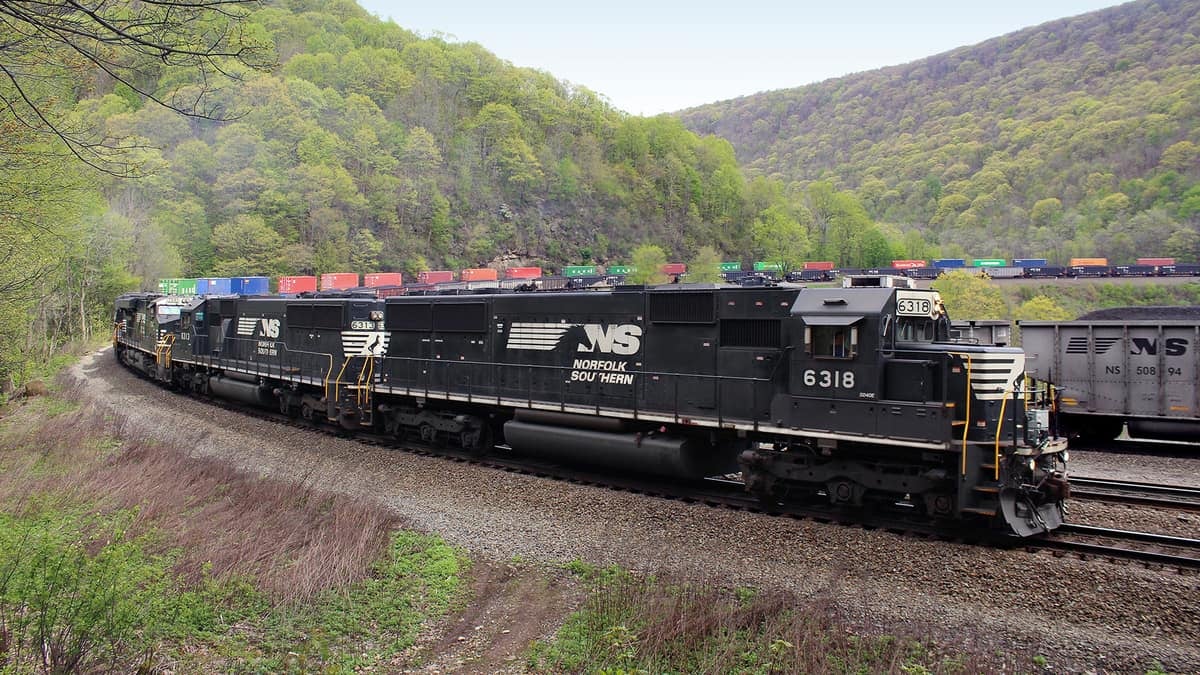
point(1031, 463)
point(377, 315)
point(1066, 455)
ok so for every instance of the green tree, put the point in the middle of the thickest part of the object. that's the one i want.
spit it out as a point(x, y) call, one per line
point(247, 246)
point(648, 259)
point(705, 267)
point(968, 296)
point(780, 238)
point(1041, 308)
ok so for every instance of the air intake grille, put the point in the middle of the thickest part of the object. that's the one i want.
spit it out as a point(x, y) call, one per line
point(750, 333)
point(682, 308)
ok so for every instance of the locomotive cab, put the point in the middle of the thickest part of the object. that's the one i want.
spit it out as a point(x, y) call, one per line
point(889, 413)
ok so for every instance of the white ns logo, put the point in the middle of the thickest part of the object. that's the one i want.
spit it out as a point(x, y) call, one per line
point(614, 339)
point(270, 328)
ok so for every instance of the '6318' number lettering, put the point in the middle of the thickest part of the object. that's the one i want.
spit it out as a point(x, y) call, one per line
point(830, 379)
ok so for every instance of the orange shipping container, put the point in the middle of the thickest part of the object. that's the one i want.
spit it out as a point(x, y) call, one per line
point(674, 268)
point(435, 276)
point(824, 265)
point(479, 274)
point(1082, 262)
point(382, 279)
point(1156, 261)
point(297, 284)
point(909, 264)
point(522, 273)
point(337, 281)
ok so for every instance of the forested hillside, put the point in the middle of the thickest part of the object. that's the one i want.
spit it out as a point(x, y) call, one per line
point(1076, 137)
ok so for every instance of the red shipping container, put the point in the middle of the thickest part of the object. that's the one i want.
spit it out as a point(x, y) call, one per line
point(1156, 261)
point(297, 284)
point(522, 273)
point(337, 281)
point(820, 265)
point(435, 276)
point(674, 268)
point(479, 274)
point(909, 264)
point(376, 279)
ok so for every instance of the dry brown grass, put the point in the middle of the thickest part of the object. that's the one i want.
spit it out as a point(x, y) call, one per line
point(293, 540)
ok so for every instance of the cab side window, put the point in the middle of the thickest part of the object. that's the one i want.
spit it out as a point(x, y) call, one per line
point(832, 342)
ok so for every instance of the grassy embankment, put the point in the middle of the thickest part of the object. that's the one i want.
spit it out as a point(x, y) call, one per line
point(117, 554)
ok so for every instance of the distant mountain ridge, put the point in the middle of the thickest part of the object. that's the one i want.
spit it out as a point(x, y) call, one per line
point(1076, 137)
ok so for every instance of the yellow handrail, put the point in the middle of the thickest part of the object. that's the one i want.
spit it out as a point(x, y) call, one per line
point(967, 416)
point(999, 429)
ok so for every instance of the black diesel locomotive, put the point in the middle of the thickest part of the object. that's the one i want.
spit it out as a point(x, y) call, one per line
point(854, 396)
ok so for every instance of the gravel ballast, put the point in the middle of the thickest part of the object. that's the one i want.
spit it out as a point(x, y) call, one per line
point(1079, 615)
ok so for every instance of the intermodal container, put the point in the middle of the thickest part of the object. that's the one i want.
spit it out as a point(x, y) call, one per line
point(337, 281)
point(1029, 262)
point(579, 270)
point(725, 267)
point(186, 287)
point(908, 264)
point(214, 286)
point(1088, 262)
point(619, 270)
point(1156, 261)
point(989, 262)
point(822, 265)
point(250, 285)
point(377, 279)
point(949, 263)
point(168, 286)
point(435, 276)
point(479, 274)
point(522, 273)
point(759, 266)
point(674, 268)
point(303, 284)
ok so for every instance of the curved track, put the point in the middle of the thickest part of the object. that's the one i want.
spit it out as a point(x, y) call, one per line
point(1159, 549)
point(1175, 497)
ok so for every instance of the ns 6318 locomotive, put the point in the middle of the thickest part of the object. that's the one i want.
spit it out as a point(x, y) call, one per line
point(853, 397)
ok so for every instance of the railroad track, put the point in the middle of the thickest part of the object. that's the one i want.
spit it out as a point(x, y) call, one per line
point(1175, 497)
point(1140, 446)
point(1158, 549)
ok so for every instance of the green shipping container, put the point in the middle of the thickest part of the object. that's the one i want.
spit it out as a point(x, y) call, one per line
point(621, 269)
point(989, 262)
point(731, 267)
point(761, 266)
point(167, 286)
point(186, 287)
point(578, 270)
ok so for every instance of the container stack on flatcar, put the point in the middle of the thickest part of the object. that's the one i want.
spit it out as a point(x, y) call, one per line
point(853, 397)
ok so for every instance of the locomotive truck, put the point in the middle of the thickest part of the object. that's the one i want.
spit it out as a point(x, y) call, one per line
point(856, 398)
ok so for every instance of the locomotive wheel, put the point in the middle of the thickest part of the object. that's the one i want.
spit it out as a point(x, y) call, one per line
point(306, 412)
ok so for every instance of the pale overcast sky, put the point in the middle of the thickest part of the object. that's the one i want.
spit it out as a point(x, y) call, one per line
point(659, 56)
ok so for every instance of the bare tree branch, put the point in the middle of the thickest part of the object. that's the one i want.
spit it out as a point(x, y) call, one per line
point(51, 52)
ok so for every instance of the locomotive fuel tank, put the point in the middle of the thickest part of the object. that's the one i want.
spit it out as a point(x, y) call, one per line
point(644, 452)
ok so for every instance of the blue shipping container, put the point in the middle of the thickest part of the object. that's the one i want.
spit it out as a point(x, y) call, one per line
point(213, 286)
point(1029, 262)
point(949, 262)
point(250, 285)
